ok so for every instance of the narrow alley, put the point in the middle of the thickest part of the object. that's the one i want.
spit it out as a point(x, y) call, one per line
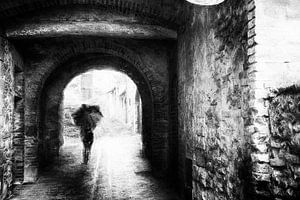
point(209, 99)
point(117, 170)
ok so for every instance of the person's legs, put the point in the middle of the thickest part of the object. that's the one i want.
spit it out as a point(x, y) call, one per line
point(87, 145)
point(82, 136)
point(84, 154)
point(90, 141)
point(88, 152)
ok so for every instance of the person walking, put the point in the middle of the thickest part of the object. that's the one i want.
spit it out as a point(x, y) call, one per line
point(87, 117)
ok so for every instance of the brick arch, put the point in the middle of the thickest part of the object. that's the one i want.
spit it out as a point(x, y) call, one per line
point(53, 97)
point(106, 47)
point(151, 9)
point(157, 83)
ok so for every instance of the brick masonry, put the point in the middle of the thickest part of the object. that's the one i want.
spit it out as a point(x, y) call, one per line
point(159, 10)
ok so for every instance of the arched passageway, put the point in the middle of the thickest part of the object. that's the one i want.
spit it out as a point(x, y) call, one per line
point(223, 89)
point(117, 168)
point(53, 96)
point(51, 72)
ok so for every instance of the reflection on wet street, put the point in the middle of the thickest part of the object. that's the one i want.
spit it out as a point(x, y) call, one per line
point(115, 171)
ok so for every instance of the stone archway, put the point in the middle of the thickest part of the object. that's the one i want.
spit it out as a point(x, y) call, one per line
point(52, 97)
point(155, 74)
point(154, 94)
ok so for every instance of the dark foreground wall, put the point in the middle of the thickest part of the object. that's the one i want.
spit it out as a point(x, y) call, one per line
point(213, 101)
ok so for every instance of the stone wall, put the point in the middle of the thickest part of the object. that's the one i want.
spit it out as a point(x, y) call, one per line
point(275, 64)
point(213, 98)
point(9, 155)
point(6, 114)
point(284, 180)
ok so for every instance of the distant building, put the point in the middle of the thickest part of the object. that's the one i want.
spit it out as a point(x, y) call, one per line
point(114, 92)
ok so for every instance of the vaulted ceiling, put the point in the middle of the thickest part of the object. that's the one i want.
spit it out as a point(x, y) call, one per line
point(165, 9)
point(117, 18)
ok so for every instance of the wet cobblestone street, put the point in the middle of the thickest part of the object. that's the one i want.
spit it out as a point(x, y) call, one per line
point(116, 171)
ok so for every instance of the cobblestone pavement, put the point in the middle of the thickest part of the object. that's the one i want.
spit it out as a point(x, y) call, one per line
point(116, 171)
